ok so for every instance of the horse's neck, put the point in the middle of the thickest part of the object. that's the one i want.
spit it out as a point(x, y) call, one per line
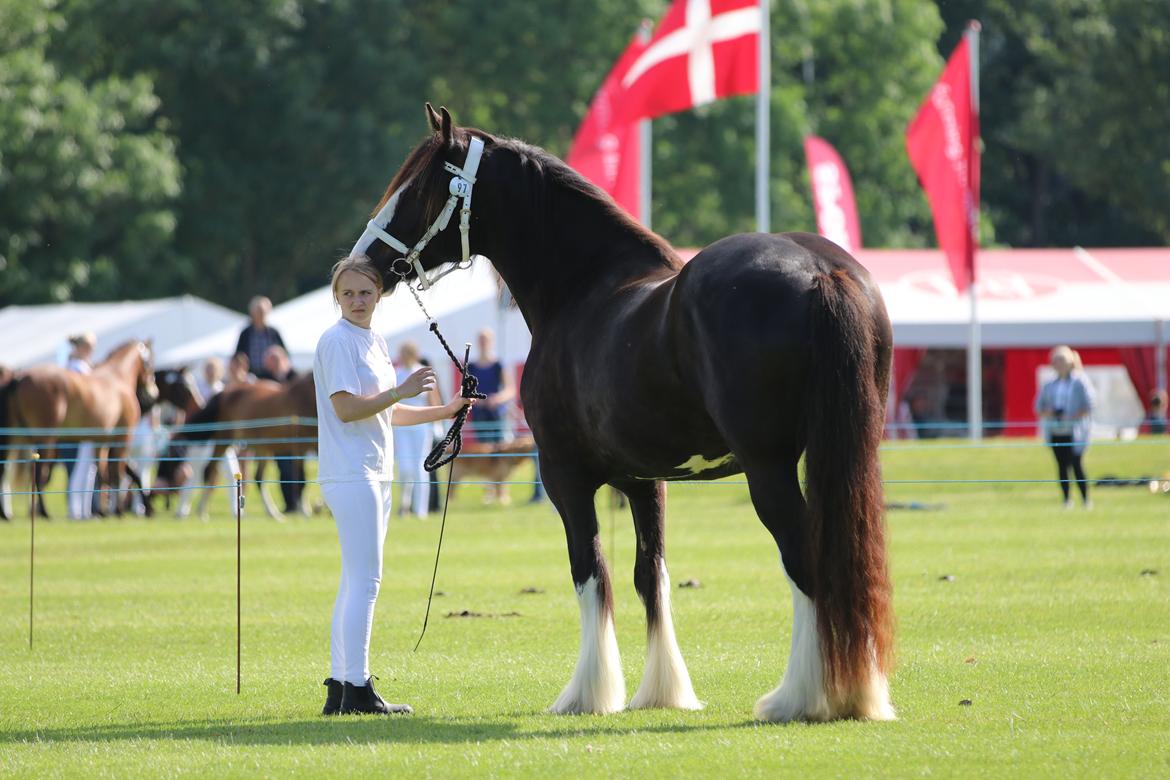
point(121, 365)
point(575, 250)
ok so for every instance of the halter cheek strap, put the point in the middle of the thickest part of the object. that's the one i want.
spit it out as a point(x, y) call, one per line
point(460, 187)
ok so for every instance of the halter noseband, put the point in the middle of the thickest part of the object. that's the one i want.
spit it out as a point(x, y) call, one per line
point(460, 186)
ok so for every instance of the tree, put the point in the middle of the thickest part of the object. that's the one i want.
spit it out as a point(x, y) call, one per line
point(1075, 113)
point(86, 178)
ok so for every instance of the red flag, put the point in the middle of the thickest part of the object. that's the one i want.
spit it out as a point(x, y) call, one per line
point(605, 152)
point(703, 50)
point(832, 194)
point(942, 144)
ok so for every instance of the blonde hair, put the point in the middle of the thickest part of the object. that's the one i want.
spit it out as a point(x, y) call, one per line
point(359, 264)
point(1070, 356)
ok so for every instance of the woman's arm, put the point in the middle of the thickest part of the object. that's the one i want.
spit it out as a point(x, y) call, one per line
point(417, 415)
point(351, 408)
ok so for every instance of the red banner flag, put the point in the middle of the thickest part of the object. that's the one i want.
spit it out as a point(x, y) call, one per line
point(942, 142)
point(703, 50)
point(832, 194)
point(604, 151)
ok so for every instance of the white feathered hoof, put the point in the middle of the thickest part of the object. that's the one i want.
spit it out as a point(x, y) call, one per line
point(666, 683)
point(801, 694)
point(597, 685)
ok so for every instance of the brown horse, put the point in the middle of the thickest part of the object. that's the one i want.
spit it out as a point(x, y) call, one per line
point(239, 406)
point(56, 405)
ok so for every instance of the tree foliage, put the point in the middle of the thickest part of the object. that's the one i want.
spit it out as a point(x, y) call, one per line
point(226, 148)
point(87, 178)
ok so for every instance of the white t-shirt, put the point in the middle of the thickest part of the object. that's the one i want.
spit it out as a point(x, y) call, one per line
point(354, 360)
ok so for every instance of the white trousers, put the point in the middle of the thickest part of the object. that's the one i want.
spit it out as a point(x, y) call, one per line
point(81, 482)
point(361, 511)
point(411, 446)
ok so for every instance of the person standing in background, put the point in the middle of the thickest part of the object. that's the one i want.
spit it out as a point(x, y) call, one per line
point(487, 421)
point(411, 444)
point(258, 336)
point(211, 382)
point(1064, 405)
point(80, 463)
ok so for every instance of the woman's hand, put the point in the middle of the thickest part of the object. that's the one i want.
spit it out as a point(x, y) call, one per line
point(419, 382)
point(453, 406)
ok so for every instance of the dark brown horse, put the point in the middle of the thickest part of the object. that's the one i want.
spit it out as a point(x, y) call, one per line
point(56, 405)
point(229, 419)
point(643, 369)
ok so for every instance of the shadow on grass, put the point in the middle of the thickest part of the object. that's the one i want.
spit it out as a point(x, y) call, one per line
point(349, 730)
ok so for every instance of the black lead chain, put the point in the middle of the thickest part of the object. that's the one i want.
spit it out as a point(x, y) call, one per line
point(452, 444)
point(469, 388)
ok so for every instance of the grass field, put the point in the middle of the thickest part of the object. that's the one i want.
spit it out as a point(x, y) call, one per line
point(1041, 619)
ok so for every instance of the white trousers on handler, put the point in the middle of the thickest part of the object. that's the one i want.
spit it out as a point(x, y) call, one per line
point(361, 511)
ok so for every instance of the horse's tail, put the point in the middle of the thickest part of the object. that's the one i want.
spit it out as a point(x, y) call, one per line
point(847, 548)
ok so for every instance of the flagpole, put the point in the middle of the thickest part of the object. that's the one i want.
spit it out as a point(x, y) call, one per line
point(974, 345)
point(645, 149)
point(763, 99)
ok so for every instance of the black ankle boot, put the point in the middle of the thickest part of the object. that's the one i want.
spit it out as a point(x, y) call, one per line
point(364, 699)
point(333, 697)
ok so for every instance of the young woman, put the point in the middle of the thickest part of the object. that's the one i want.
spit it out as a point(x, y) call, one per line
point(1064, 405)
point(356, 397)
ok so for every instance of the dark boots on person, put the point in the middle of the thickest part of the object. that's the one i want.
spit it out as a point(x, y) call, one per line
point(332, 697)
point(357, 699)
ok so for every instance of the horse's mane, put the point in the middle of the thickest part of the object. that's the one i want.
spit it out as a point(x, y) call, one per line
point(556, 174)
point(550, 174)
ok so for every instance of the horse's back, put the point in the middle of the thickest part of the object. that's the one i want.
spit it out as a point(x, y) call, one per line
point(743, 312)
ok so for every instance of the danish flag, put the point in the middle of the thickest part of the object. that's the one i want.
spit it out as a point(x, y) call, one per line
point(703, 50)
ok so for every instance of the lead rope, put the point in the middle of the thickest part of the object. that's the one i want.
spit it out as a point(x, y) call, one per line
point(438, 457)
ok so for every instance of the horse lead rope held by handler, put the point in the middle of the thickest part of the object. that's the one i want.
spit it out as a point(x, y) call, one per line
point(437, 458)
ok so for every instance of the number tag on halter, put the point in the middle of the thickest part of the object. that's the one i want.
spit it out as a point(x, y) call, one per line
point(460, 187)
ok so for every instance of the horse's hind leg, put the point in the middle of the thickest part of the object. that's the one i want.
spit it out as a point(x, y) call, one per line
point(665, 682)
point(801, 695)
point(597, 685)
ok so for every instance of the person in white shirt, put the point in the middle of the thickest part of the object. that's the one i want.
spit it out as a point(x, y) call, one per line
point(356, 405)
point(80, 457)
point(412, 444)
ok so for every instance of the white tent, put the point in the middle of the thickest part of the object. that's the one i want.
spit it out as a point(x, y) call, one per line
point(32, 335)
point(463, 303)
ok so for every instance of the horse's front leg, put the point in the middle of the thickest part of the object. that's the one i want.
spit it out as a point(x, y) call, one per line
point(665, 682)
point(597, 685)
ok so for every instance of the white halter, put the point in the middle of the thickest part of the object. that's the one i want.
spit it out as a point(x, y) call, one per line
point(460, 187)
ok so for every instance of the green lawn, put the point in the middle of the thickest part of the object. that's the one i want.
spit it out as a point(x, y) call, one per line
point(1042, 619)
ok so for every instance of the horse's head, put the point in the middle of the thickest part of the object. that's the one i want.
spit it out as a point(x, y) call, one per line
point(144, 386)
point(412, 233)
point(177, 386)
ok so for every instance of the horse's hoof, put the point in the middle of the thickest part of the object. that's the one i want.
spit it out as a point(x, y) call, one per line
point(575, 706)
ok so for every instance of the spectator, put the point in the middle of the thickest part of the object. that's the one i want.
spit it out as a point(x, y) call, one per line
point(80, 463)
point(258, 336)
point(211, 383)
point(490, 413)
point(292, 469)
point(237, 372)
point(412, 443)
point(1156, 417)
point(277, 366)
point(1064, 405)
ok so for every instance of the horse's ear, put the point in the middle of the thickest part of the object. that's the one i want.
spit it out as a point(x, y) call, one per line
point(433, 118)
point(446, 124)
